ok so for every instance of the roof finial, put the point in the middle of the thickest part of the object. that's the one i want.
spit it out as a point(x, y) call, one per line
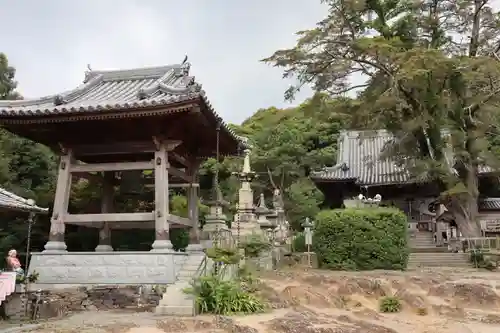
point(88, 73)
point(185, 59)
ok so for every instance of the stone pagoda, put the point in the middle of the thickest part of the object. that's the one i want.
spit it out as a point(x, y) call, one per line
point(245, 218)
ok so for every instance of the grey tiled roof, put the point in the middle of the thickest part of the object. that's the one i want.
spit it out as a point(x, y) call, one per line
point(117, 90)
point(10, 201)
point(489, 204)
point(359, 160)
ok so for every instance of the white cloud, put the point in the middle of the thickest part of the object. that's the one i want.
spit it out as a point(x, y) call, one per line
point(51, 43)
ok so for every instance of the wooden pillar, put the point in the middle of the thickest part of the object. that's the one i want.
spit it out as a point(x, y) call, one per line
point(162, 239)
point(193, 209)
point(107, 206)
point(56, 241)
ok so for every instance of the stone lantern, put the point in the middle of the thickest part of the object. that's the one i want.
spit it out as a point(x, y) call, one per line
point(262, 212)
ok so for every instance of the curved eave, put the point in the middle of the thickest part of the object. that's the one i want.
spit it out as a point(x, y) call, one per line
point(319, 179)
point(13, 202)
point(27, 209)
point(92, 108)
point(242, 141)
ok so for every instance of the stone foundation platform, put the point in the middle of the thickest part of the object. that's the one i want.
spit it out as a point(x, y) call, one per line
point(67, 269)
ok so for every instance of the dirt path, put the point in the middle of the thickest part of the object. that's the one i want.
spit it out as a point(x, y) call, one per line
point(438, 301)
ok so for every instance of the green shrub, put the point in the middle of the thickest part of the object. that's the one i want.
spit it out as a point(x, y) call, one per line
point(361, 239)
point(217, 296)
point(179, 238)
point(390, 304)
point(299, 243)
point(422, 311)
point(255, 245)
point(476, 257)
point(224, 256)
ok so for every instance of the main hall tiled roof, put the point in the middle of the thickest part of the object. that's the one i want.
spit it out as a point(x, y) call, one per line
point(359, 160)
point(489, 204)
point(10, 201)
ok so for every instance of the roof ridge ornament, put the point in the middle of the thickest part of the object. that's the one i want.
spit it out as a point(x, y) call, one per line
point(59, 100)
point(184, 68)
point(88, 74)
point(176, 81)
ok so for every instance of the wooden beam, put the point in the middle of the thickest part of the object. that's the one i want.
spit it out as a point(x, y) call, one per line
point(116, 148)
point(109, 217)
point(170, 185)
point(180, 159)
point(148, 225)
point(120, 148)
point(174, 219)
point(118, 166)
point(168, 144)
point(184, 185)
point(180, 174)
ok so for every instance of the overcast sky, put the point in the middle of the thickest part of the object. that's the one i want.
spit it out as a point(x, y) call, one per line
point(51, 42)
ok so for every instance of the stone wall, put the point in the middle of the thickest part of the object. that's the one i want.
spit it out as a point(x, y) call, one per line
point(105, 268)
point(59, 303)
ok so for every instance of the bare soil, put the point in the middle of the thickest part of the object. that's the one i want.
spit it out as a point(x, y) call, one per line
point(314, 301)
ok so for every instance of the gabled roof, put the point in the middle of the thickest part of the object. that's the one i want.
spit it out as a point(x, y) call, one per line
point(359, 160)
point(117, 90)
point(10, 201)
point(113, 89)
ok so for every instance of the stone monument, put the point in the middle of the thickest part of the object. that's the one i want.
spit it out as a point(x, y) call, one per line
point(245, 219)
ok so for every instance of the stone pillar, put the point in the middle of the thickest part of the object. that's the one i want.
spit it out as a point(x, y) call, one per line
point(56, 241)
point(193, 209)
point(161, 213)
point(107, 206)
point(215, 222)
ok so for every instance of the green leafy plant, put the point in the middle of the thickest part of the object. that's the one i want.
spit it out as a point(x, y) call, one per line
point(361, 239)
point(222, 255)
point(255, 245)
point(476, 257)
point(299, 243)
point(390, 304)
point(480, 260)
point(179, 238)
point(422, 311)
point(217, 296)
point(32, 278)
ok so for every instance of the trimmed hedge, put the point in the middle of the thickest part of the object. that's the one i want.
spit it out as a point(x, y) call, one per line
point(361, 239)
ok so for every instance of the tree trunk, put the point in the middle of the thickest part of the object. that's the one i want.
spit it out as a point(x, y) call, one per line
point(466, 224)
point(464, 206)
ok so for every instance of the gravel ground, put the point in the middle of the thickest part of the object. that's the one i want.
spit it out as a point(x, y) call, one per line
point(91, 322)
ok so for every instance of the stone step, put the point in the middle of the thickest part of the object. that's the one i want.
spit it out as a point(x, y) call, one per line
point(422, 244)
point(443, 259)
point(428, 249)
point(439, 255)
point(424, 265)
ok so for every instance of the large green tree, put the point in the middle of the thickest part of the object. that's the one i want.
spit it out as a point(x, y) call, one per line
point(287, 145)
point(431, 77)
point(27, 169)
